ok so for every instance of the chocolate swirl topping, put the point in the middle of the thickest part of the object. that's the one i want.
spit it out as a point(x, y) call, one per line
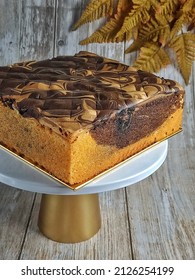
point(67, 93)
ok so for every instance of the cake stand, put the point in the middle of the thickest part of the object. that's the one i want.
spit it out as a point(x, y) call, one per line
point(69, 216)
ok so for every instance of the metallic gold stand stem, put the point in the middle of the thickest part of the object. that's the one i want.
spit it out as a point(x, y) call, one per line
point(69, 218)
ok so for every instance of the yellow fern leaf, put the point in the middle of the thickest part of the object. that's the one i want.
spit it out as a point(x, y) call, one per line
point(156, 31)
point(183, 16)
point(107, 33)
point(152, 31)
point(166, 7)
point(155, 4)
point(179, 23)
point(184, 47)
point(152, 58)
point(191, 20)
point(138, 13)
point(136, 45)
point(128, 35)
point(187, 6)
point(135, 32)
point(95, 10)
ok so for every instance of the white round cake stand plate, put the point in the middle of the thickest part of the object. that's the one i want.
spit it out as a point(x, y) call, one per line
point(69, 216)
point(16, 173)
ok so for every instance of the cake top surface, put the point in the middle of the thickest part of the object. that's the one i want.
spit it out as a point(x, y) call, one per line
point(67, 93)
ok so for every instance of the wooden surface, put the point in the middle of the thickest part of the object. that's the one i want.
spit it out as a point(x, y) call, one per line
point(154, 219)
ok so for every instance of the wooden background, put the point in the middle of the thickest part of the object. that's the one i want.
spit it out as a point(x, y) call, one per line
point(154, 219)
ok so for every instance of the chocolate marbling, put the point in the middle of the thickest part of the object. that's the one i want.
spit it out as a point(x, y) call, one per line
point(68, 93)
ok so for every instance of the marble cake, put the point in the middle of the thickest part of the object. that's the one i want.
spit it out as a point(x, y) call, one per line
point(76, 116)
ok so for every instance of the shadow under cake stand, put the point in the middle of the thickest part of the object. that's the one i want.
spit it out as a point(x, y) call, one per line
point(69, 216)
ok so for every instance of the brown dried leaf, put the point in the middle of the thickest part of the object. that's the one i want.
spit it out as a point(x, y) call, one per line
point(152, 58)
point(138, 13)
point(108, 32)
point(95, 10)
point(166, 7)
point(191, 20)
point(184, 47)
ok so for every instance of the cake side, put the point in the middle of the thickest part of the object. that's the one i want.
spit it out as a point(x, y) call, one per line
point(36, 144)
point(89, 156)
point(133, 123)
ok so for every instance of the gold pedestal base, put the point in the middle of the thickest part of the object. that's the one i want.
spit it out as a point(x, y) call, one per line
point(69, 218)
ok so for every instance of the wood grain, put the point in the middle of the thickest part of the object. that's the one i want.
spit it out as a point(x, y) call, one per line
point(9, 31)
point(36, 29)
point(15, 212)
point(154, 219)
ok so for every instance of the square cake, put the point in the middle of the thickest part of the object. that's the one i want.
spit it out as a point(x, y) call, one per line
point(77, 116)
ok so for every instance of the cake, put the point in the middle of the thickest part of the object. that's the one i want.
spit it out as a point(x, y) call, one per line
point(76, 116)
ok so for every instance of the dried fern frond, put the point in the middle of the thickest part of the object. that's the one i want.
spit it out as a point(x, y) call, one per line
point(139, 13)
point(167, 6)
point(108, 33)
point(136, 45)
point(191, 20)
point(152, 58)
point(187, 6)
point(179, 23)
point(151, 32)
point(184, 47)
point(183, 17)
point(95, 10)
point(155, 31)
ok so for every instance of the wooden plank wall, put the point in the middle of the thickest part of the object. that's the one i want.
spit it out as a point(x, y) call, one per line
point(154, 219)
